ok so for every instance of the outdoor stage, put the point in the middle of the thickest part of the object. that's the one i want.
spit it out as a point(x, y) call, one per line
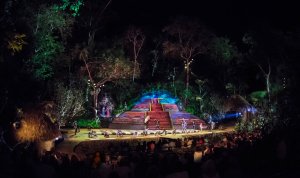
point(71, 140)
point(155, 112)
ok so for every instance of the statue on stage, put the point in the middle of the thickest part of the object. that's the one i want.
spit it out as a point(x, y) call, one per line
point(106, 106)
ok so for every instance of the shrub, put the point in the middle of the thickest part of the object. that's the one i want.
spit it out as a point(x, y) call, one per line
point(88, 123)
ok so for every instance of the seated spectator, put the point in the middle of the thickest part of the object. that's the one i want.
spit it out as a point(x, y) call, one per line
point(198, 154)
point(209, 169)
point(182, 174)
point(172, 145)
point(96, 160)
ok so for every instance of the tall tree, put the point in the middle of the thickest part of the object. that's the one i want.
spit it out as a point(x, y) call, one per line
point(202, 93)
point(156, 54)
point(50, 25)
point(135, 38)
point(222, 52)
point(69, 103)
point(266, 51)
point(92, 18)
point(110, 67)
point(186, 39)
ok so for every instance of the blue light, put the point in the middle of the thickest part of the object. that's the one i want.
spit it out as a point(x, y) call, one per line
point(222, 117)
point(252, 110)
point(164, 96)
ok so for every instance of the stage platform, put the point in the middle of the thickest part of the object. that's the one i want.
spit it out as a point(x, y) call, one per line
point(71, 140)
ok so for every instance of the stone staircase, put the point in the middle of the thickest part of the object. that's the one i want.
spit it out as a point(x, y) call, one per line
point(157, 114)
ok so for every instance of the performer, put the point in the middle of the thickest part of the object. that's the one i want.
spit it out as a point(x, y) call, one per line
point(146, 125)
point(183, 125)
point(75, 126)
point(201, 126)
point(157, 133)
point(174, 132)
point(106, 135)
point(194, 126)
point(92, 134)
point(213, 125)
point(119, 133)
point(157, 124)
point(146, 132)
point(164, 131)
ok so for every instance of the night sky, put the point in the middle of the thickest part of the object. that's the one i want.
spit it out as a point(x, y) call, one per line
point(230, 17)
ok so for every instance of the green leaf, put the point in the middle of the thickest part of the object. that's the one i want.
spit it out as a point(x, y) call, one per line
point(258, 95)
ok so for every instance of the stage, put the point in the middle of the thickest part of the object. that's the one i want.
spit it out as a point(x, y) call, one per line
point(71, 140)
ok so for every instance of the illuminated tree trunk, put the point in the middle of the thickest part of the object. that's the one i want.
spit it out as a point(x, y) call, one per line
point(134, 68)
point(173, 77)
point(96, 94)
point(104, 70)
point(200, 84)
point(187, 75)
point(188, 61)
point(155, 59)
point(84, 57)
point(136, 38)
point(187, 81)
point(268, 84)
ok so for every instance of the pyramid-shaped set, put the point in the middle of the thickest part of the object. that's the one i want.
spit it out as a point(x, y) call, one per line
point(155, 115)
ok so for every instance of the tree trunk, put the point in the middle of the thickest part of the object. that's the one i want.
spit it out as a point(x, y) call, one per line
point(91, 41)
point(200, 92)
point(268, 84)
point(268, 92)
point(133, 76)
point(187, 77)
point(96, 94)
point(268, 87)
point(187, 81)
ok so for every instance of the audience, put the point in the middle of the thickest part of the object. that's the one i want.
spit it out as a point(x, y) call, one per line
point(212, 156)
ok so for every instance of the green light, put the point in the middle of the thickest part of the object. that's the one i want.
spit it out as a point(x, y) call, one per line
point(74, 7)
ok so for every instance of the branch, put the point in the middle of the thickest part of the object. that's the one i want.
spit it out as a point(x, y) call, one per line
point(196, 53)
point(94, 62)
point(103, 81)
point(179, 37)
point(134, 49)
point(190, 52)
point(189, 40)
point(140, 46)
point(101, 13)
point(259, 66)
point(37, 23)
point(269, 66)
point(184, 57)
point(88, 70)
